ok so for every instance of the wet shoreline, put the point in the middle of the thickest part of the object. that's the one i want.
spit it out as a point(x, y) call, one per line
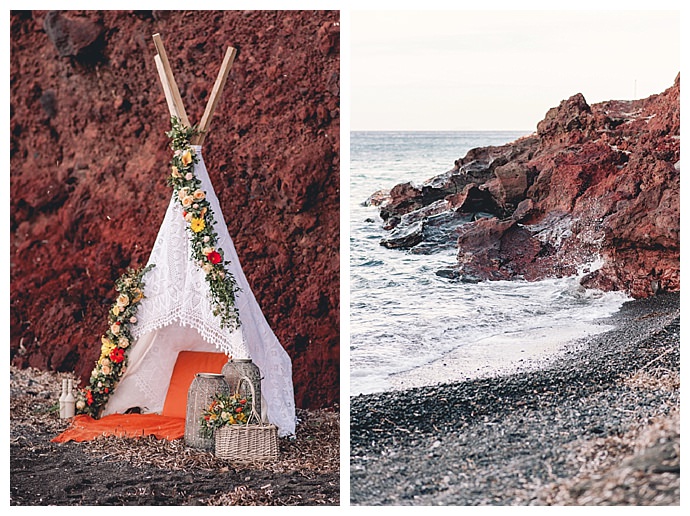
point(512, 440)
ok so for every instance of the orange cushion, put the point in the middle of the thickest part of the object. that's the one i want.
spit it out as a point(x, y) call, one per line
point(188, 364)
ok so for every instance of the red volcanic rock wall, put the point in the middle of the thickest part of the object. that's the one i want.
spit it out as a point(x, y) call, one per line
point(89, 157)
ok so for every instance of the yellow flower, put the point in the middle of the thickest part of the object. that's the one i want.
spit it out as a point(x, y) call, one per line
point(197, 224)
point(186, 158)
point(116, 310)
point(139, 295)
point(106, 348)
point(122, 300)
point(175, 172)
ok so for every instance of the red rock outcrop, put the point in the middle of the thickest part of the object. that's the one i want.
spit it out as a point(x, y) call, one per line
point(89, 156)
point(600, 181)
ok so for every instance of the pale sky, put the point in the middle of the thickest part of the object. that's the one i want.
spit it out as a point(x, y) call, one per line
point(500, 69)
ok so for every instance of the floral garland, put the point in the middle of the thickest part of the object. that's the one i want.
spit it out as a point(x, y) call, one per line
point(112, 363)
point(198, 213)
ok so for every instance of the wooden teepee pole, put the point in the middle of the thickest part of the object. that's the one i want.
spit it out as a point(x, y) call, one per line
point(215, 95)
point(166, 86)
point(175, 92)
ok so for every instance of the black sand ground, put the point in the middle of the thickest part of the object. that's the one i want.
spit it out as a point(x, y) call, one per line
point(598, 427)
point(149, 471)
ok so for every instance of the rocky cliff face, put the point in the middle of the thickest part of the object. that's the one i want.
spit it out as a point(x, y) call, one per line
point(89, 157)
point(593, 182)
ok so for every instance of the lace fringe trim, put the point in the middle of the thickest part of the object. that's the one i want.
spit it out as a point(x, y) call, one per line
point(232, 344)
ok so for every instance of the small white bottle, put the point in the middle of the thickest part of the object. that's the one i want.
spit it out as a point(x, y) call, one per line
point(70, 401)
point(62, 398)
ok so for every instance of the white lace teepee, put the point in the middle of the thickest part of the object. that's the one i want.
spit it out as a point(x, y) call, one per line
point(176, 313)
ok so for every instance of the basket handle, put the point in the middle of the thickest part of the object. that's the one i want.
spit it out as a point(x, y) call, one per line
point(254, 414)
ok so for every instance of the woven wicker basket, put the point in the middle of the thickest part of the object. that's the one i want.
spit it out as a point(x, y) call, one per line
point(252, 442)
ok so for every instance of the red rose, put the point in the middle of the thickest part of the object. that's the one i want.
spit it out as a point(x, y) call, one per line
point(117, 355)
point(89, 397)
point(242, 402)
point(214, 257)
point(238, 409)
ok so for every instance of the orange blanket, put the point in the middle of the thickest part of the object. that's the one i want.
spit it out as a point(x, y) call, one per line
point(86, 428)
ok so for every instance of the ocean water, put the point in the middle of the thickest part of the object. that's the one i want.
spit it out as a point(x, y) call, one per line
point(410, 327)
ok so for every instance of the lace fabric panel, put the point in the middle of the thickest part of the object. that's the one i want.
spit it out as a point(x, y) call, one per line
point(152, 360)
point(177, 294)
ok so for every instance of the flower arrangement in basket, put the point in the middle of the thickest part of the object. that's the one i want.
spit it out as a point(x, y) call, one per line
point(225, 409)
point(240, 435)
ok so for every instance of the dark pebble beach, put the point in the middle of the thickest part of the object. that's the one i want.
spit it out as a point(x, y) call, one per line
point(597, 426)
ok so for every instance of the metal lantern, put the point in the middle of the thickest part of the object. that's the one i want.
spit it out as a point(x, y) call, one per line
point(199, 397)
point(238, 368)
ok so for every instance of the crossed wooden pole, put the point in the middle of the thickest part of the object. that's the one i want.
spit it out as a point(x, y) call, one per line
point(172, 93)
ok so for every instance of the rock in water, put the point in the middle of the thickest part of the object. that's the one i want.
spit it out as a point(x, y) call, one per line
point(593, 181)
